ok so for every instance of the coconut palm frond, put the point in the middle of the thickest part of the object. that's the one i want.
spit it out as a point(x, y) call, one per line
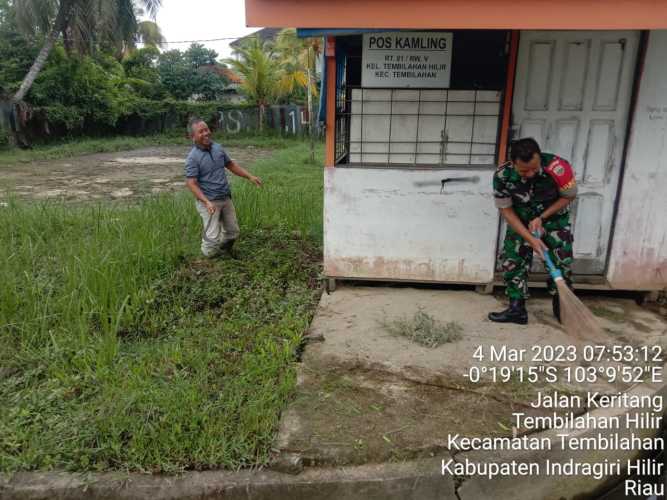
point(152, 6)
point(86, 24)
point(258, 69)
point(35, 15)
point(149, 33)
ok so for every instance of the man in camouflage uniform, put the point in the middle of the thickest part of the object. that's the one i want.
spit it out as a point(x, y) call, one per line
point(533, 193)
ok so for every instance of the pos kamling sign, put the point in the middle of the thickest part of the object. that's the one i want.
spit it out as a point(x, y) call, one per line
point(407, 59)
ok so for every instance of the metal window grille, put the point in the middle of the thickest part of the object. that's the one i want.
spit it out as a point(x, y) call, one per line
point(342, 134)
point(417, 127)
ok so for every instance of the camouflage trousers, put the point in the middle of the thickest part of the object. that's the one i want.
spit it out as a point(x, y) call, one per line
point(517, 256)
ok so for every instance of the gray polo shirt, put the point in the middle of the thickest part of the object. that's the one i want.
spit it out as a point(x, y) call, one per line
point(208, 167)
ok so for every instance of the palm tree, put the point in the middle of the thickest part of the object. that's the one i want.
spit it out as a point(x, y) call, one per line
point(150, 34)
point(258, 68)
point(85, 24)
point(297, 58)
point(146, 32)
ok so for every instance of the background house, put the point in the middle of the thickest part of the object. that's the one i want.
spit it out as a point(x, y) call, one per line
point(264, 34)
point(232, 92)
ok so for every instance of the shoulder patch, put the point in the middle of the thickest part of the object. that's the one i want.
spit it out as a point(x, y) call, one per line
point(561, 171)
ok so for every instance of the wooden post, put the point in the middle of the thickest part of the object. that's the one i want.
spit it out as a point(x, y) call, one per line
point(330, 54)
point(509, 95)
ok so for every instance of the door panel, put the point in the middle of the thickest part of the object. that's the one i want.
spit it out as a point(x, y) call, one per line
point(572, 95)
point(573, 82)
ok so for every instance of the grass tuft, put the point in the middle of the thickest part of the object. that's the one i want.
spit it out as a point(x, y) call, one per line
point(424, 329)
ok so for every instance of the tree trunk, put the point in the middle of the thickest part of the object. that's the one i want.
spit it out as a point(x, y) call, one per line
point(58, 26)
point(261, 117)
point(67, 42)
point(311, 117)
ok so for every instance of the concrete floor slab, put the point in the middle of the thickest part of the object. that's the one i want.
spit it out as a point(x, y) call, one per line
point(366, 395)
point(351, 323)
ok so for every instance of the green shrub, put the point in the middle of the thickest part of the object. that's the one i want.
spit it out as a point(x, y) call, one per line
point(4, 139)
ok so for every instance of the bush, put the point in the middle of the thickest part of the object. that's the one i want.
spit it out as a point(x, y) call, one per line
point(4, 139)
point(82, 84)
point(99, 95)
point(71, 118)
point(134, 116)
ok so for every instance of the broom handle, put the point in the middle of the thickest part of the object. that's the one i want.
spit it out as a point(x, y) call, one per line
point(553, 270)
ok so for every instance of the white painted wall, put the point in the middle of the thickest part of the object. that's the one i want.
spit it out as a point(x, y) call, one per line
point(379, 224)
point(638, 257)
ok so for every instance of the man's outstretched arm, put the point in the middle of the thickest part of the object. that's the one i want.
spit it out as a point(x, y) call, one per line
point(237, 169)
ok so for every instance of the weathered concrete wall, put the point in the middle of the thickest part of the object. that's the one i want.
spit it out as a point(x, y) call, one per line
point(237, 120)
point(638, 257)
point(379, 224)
point(289, 119)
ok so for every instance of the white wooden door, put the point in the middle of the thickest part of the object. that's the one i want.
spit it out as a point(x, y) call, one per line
point(572, 94)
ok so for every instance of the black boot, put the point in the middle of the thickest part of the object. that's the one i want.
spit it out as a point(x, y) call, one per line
point(515, 313)
point(555, 305)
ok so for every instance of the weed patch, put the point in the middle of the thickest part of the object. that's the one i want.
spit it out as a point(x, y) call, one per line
point(424, 329)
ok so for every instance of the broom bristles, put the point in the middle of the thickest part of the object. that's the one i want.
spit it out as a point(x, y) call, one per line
point(577, 320)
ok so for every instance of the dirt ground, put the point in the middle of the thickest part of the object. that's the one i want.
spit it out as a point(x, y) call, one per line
point(107, 176)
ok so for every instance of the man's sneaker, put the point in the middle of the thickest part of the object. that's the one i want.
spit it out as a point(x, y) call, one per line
point(515, 313)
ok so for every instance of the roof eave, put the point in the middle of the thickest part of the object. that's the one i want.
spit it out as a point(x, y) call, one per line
point(460, 14)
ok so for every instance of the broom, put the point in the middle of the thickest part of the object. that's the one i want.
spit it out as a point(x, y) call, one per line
point(577, 320)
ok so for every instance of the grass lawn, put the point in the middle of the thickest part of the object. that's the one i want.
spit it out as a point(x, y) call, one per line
point(68, 149)
point(123, 350)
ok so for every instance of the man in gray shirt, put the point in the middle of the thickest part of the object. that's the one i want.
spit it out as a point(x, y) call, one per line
point(206, 178)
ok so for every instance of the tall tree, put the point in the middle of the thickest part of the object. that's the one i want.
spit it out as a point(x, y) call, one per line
point(191, 74)
point(86, 24)
point(146, 32)
point(197, 56)
point(175, 74)
point(297, 58)
point(16, 53)
point(258, 67)
point(150, 34)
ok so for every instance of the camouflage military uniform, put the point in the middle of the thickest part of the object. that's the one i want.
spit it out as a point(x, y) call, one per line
point(530, 198)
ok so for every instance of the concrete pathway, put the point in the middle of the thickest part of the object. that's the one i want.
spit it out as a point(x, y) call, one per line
point(366, 395)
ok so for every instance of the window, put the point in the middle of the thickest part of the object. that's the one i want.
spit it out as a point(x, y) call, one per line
point(423, 127)
point(406, 127)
